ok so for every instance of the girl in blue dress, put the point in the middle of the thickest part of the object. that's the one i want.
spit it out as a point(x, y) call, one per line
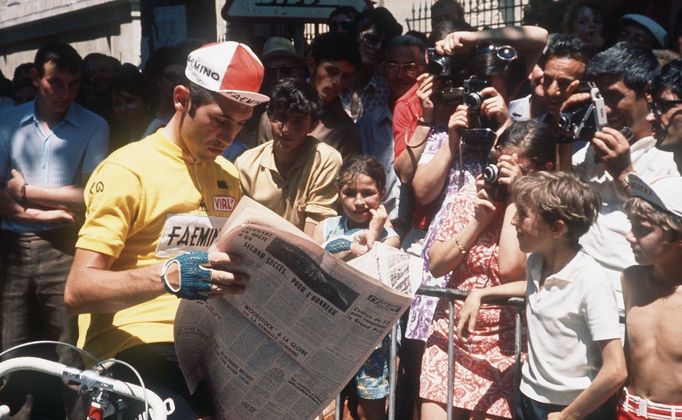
point(361, 183)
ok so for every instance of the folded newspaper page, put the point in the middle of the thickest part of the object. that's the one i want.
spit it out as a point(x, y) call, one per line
point(305, 324)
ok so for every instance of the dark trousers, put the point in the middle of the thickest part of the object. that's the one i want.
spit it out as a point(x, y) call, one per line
point(34, 270)
point(529, 409)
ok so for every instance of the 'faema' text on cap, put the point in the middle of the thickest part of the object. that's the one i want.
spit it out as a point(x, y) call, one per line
point(228, 68)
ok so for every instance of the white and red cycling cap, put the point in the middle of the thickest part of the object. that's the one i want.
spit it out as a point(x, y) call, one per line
point(229, 68)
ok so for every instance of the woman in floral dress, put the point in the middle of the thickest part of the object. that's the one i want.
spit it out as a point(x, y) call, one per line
point(475, 244)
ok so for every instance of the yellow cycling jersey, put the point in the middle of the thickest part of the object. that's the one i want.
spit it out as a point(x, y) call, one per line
point(146, 203)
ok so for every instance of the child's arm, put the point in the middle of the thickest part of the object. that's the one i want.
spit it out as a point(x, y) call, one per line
point(609, 379)
point(510, 259)
point(469, 311)
point(392, 241)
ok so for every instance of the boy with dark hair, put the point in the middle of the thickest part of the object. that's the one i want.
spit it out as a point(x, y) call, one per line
point(332, 63)
point(333, 59)
point(575, 359)
point(293, 173)
point(665, 107)
point(653, 297)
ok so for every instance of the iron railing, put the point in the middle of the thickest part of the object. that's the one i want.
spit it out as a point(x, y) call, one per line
point(478, 13)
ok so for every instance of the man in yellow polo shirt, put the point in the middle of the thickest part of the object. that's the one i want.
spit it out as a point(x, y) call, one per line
point(294, 173)
point(153, 209)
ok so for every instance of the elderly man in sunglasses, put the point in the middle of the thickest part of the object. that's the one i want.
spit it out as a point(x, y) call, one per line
point(665, 108)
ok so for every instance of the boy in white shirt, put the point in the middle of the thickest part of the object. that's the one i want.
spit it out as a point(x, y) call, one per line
point(575, 359)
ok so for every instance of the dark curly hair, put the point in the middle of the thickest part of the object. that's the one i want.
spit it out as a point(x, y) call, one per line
point(362, 165)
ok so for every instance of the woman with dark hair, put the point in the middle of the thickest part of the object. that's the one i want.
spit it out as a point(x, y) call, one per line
point(475, 246)
point(447, 166)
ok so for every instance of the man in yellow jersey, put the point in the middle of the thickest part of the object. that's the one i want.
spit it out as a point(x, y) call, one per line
point(153, 209)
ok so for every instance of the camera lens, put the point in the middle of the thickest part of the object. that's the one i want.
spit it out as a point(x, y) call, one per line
point(473, 101)
point(434, 67)
point(490, 174)
point(564, 121)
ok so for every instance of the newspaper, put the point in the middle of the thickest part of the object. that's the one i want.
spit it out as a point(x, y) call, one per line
point(303, 327)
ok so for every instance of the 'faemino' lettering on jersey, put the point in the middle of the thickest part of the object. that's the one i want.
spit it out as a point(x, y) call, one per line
point(188, 233)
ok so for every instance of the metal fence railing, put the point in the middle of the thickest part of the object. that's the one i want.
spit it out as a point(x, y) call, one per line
point(451, 295)
point(478, 13)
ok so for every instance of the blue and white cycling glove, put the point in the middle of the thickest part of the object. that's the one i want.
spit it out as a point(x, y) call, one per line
point(195, 276)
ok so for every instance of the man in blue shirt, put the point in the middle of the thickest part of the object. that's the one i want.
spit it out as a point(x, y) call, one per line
point(48, 148)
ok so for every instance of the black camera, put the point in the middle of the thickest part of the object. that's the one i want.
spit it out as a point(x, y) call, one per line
point(471, 88)
point(490, 176)
point(580, 122)
point(472, 98)
point(447, 94)
point(436, 64)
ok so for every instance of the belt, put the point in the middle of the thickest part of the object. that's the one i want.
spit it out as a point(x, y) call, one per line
point(649, 409)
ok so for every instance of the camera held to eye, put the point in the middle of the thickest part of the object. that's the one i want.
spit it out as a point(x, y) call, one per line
point(490, 174)
point(436, 64)
point(580, 122)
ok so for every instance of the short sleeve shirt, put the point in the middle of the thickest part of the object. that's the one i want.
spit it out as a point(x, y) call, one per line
point(63, 156)
point(566, 316)
point(307, 194)
point(146, 203)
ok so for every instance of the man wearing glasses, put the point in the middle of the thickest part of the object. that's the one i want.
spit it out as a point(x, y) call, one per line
point(402, 62)
point(666, 110)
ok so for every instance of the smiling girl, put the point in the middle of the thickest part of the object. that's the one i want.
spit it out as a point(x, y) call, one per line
point(362, 185)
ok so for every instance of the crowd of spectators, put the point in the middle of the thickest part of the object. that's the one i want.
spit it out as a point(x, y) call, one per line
point(540, 161)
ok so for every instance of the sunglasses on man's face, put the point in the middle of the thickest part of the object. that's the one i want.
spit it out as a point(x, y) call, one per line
point(370, 39)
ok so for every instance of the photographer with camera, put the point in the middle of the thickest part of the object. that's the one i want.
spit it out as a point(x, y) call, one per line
point(475, 246)
point(622, 146)
point(452, 159)
point(442, 170)
point(496, 74)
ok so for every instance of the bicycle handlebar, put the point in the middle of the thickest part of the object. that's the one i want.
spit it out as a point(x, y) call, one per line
point(88, 379)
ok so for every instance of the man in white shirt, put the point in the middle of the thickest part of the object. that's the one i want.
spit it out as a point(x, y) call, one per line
point(622, 74)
